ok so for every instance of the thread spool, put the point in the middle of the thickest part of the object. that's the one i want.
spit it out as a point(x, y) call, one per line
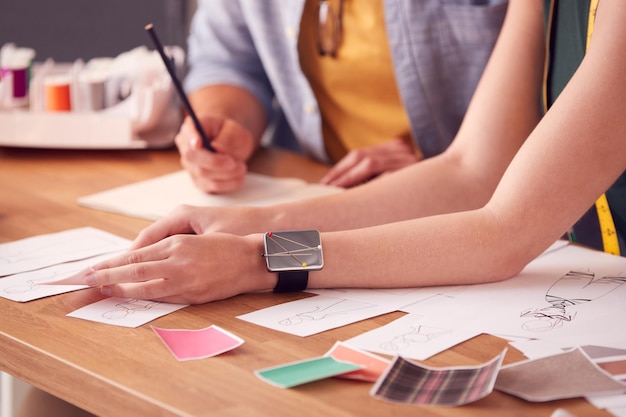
point(17, 81)
point(92, 86)
point(15, 66)
point(57, 93)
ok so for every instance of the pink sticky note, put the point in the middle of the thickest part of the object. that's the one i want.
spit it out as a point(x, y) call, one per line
point(198, 344)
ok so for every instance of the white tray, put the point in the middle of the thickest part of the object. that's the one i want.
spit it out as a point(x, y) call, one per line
point(82, 131)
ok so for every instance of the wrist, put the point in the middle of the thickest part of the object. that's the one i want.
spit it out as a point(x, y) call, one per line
point(256, 276)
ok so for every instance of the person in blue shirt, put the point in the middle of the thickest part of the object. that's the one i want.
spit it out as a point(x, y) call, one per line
point(368, 87)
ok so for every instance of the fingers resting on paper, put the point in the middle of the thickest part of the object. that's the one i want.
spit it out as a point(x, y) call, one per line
point(361, 165)
point(177, 269)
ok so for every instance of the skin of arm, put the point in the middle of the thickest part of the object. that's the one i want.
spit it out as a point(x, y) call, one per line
point(462, 178)
point(490, 207)
point(234, 120)
point(363, 164)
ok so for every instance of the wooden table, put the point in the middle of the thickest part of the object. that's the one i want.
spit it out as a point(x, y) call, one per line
point(114, 371)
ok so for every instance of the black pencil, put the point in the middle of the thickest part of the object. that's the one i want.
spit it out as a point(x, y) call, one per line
point(206, 142)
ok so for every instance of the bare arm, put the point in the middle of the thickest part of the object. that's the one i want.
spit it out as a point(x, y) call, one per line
point(573, 155)
point(502, 113)
point(231, 102)
point(579, 148)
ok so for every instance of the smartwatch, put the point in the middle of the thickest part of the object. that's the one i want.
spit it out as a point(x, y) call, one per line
point(292, 254)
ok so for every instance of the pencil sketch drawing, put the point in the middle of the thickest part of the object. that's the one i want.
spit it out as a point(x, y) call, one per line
point(321, 312)
point(33, 284)
point(128, 307)
point(26, 286)
point(417, 334)
point(572, 289)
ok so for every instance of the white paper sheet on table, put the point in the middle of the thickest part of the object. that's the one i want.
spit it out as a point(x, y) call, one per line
point(316, 314)
point(55, 248)
point(573, 296)
point(156, 197)
point(125, 312)
point(30, 285)
point(393, 297)
point(413, 337)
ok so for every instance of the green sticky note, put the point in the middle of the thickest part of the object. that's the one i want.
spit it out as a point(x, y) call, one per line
point(297, 373)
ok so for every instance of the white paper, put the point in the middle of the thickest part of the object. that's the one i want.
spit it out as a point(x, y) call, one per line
point(155, 198)
point(56, 248)
point(392, 297)
point(126, 312)
point(535, 349)
point(314, 314)
point(412, 337)
point(607, 401)
point(31, 285)
point(573, 296)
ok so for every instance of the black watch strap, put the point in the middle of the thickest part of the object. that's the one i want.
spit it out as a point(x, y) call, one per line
point(292, 281)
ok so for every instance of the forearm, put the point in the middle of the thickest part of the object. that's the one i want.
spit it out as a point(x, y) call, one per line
point(232, 102)
point(502, 113)
point(458, 248)
point(578, 150)
point(406, 194)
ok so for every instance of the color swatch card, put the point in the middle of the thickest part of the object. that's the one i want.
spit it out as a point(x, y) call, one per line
point(406, 382)
point(302, 372)
point(373, 365)
point(198, 344)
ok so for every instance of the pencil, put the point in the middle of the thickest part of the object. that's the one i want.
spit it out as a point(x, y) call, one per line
point(206, 142)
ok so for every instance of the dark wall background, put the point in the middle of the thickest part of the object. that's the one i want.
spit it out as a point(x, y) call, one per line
point(69, 29)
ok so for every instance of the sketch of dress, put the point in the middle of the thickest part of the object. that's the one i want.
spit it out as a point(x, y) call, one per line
point(22, 288)
point(572, 289)
point(416, 334)
point(128, 307)
point(321, 312)
point(33, 284)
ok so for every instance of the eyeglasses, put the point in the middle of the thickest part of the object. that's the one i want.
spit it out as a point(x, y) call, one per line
point(329, 28)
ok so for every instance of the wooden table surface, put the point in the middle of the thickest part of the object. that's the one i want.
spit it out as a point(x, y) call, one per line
point(115, 371)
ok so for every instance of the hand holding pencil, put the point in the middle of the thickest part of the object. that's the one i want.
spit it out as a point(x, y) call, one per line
point(214, 149)
point(179, 88)
point(224, 170)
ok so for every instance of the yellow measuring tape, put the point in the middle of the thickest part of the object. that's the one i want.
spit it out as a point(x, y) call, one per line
point(607, 226)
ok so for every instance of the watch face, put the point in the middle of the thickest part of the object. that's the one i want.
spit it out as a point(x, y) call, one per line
point(293, 250)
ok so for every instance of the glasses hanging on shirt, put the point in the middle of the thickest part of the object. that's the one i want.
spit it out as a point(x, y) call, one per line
point(329, 27)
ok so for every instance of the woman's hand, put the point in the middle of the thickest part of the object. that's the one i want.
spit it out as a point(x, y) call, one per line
point(361, 165)
point(186, 269)
point(186, 219)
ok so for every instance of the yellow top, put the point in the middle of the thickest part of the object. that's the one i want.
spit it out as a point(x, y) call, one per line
point(356, 91)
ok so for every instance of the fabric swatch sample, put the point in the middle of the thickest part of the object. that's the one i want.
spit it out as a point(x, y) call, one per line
point(566, 375)
point(408, 383)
